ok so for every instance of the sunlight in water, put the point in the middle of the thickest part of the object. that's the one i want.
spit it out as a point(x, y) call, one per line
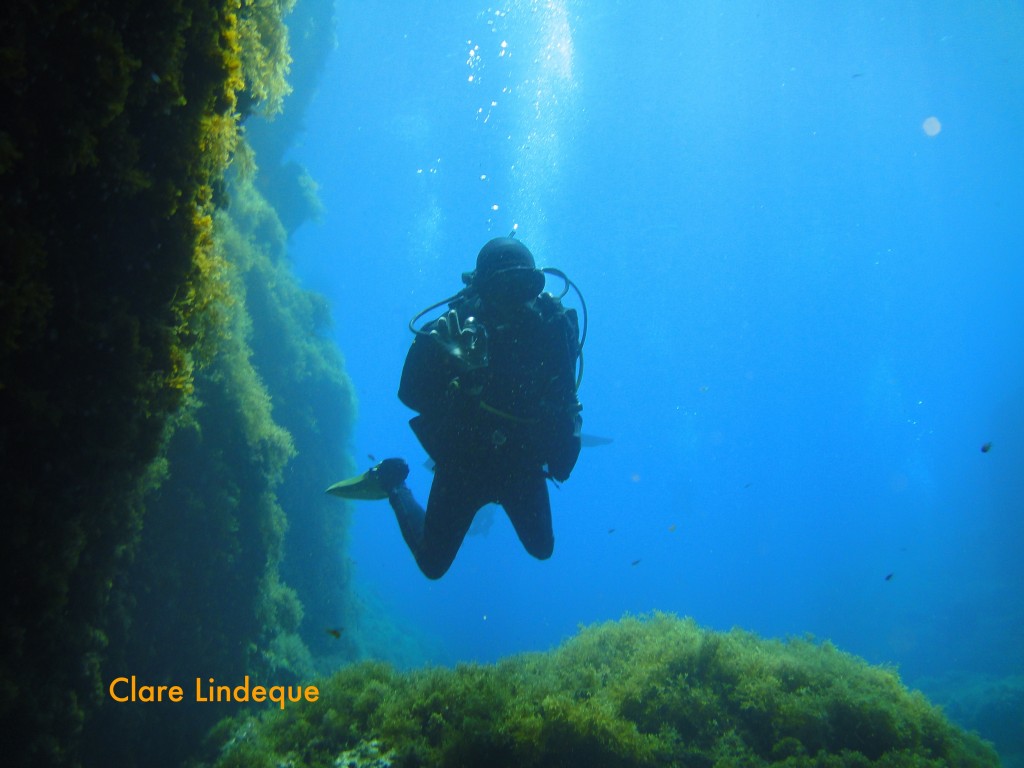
point(557, 37)
point(524, 64)
point(540, 157)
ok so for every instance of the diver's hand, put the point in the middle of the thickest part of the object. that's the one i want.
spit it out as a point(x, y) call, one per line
point(467, 343)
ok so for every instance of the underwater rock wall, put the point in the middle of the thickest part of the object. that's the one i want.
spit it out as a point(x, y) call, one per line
point(245, 475)
point(652, 691)
point(301, 366)
point(313, 399)
point(144, 452)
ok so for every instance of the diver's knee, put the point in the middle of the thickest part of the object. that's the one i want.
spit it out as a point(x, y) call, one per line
point(434, 569)
point(542, 550)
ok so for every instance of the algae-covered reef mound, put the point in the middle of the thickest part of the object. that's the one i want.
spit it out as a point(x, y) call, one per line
point(652, 691)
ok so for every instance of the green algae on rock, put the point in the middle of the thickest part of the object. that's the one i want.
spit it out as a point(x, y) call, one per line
point(648, 691)
point(118, 123)
point(117, 305)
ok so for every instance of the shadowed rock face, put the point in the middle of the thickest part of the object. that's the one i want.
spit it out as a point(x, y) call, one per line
point(118, 124)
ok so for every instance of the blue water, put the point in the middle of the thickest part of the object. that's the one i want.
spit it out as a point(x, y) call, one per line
point(805, 310)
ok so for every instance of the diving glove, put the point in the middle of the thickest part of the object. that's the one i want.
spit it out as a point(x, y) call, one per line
point(467, 343)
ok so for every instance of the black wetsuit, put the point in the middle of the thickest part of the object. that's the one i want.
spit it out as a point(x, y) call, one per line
point(495, 432)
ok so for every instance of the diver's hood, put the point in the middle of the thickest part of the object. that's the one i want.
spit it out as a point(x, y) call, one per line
point(506, 272)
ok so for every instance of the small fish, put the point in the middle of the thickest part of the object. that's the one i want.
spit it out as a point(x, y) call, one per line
point(635, 562)
point(672, 528)
point(611, 530)
point(888, 577)
point(986, 447)
point(335, 633)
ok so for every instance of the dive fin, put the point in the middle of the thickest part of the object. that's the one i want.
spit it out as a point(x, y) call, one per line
point(364, 486)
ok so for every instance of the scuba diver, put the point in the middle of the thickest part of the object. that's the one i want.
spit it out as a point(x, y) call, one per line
point(493, 381)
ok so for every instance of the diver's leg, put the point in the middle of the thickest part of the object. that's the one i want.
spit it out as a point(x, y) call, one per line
point(410, 516)
point(389, 475)
point(525, 499)
point(434, 536)
point(455, 497)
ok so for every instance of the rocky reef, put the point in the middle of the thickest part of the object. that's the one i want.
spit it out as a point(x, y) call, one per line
point(149, 425)
point(649, 691)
